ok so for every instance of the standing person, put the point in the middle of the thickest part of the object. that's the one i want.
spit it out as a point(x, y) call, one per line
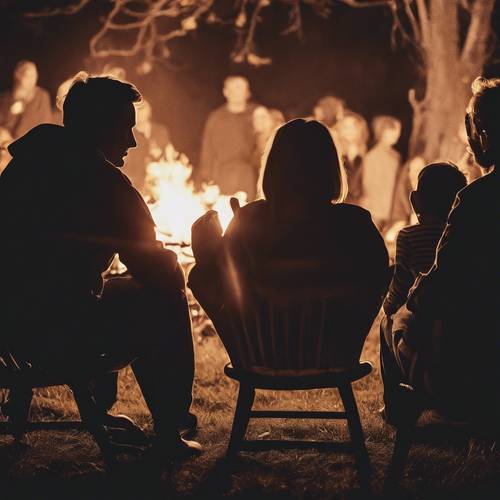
point(152, 138)
point(66, 206)
point(26, 104)
point(228, 142)
point(447, 345)
point(380, 170)
point(352, 132)
point(329, 111)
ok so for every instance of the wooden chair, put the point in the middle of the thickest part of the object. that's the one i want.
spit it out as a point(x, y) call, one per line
point(24, 378)
point(288, 345)
point(414, 404)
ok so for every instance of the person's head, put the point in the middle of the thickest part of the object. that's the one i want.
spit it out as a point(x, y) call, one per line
point(101, 112)
point(25, 75)
point(302, 167)
point(329, 110)
point(262, 121)
point(483, 121)
point(386, 130)
point(353, 130)
point(236, 90)
point(437, 187)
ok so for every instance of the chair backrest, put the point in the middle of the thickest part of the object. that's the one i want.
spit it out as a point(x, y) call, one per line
point(298, 333)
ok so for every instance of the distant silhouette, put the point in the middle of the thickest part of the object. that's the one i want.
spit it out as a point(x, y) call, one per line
point(66, 210)
point(26, 104)
point(380, 169)
point(352, 132)
point(152, 139)
point(301, 240)
point(329, 110)
point(445, 341)
point(228, 142)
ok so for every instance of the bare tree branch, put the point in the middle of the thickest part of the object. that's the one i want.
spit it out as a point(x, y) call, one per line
point(67, 10)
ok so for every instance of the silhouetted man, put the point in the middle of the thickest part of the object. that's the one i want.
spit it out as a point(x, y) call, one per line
point(446, 340)
point(228, 144)
point(66, 210)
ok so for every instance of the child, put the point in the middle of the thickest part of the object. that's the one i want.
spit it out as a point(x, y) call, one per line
point(437, 186)
point(380, 169)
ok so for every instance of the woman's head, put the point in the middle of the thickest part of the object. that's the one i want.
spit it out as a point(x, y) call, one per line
point(483, 121)
point(386, 130)
point(353, 131)
point(302, 166)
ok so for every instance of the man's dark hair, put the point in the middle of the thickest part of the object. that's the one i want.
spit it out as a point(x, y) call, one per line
point(438, 185)
point(95, 101)
point(485, 105)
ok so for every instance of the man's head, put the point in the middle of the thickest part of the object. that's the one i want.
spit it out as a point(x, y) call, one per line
point(437, 187)
point(101, 111)
point(236, 90)
point(482, 121)
point(26, 76)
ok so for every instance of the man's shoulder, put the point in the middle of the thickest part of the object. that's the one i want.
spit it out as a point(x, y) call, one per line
point(485, 186)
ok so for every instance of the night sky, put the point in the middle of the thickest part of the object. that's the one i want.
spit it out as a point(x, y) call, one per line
point(348, 55)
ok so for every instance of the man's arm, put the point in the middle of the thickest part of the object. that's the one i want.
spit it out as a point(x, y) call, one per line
point(146, 259)
point(402, 279)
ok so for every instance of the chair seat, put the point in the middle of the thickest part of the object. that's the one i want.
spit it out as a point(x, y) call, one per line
point(281, 379)
point(30, 377)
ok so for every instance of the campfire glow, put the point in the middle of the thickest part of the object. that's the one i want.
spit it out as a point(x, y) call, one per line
point(175, 204)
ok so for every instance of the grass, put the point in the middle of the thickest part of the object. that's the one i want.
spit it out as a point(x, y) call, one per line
point(68, 465)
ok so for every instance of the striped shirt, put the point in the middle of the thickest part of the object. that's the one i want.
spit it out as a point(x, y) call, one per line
point(415, 251)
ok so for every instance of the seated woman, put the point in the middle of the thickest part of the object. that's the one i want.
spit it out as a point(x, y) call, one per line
point(300, 243)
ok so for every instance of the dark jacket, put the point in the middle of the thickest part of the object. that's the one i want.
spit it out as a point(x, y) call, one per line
point(65, 212)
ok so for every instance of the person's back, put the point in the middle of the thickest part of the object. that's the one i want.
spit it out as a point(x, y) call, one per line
point(438, 184)
point(298, 244)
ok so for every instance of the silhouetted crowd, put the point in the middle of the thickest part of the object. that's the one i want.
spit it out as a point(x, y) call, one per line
point(313, 234)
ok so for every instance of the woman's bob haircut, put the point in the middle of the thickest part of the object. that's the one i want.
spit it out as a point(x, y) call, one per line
point(302, 165)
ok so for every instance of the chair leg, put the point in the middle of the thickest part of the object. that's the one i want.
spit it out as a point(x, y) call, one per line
point(244, 404)
point(17, 408)
point(356, 433)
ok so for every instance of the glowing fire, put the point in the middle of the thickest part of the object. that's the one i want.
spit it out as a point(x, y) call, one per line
point(175, 204)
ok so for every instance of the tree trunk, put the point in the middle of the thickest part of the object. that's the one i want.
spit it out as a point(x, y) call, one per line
point(449, 72)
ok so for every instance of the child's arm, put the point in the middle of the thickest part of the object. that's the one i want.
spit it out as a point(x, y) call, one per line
point(402, 279)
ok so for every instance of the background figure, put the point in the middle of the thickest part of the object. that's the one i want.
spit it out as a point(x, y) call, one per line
point(352, 135)
point(329, 111)
point(228, 142)
point(265, 121)
point(152, 138)
point(380, 169)
point(5, 140)
point(25, 104)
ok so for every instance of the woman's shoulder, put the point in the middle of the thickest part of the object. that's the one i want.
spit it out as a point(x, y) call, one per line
point(351, 211)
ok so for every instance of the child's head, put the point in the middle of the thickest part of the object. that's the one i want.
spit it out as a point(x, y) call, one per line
point(438, 184)
point(386, 130)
